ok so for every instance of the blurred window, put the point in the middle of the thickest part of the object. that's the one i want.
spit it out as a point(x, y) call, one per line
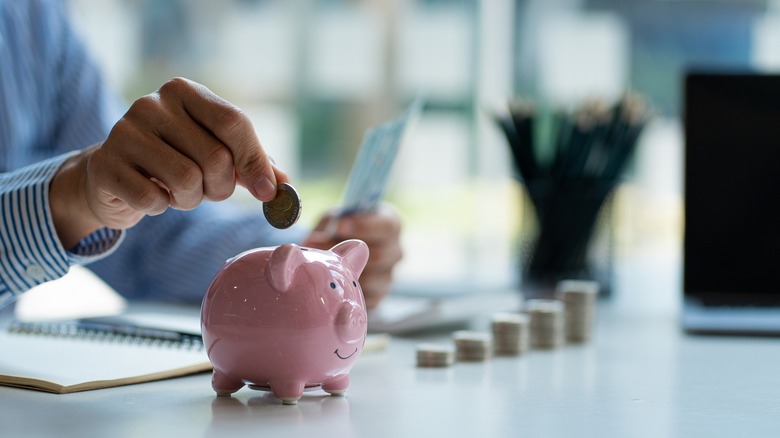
point(315, 74)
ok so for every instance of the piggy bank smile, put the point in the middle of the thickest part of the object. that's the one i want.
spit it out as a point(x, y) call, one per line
point(345, 357)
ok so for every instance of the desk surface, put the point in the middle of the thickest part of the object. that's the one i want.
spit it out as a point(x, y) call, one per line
point(640, 376)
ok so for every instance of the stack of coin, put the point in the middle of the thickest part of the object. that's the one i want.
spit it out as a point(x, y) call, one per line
point(473, 346)
point(579, 298)
point(435, 355)
point(510, 334)
point(546, 323)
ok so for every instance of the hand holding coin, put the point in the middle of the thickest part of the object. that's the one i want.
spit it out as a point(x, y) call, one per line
point(284, 210)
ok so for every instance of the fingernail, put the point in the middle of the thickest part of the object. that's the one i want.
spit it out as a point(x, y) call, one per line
point(265, 189)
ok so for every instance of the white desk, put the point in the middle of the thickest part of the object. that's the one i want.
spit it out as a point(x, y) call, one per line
point(639, 377)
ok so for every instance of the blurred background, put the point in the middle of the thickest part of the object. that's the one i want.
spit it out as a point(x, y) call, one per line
point(315, 74)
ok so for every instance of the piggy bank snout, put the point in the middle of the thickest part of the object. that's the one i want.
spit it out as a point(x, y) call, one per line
point(351, 322)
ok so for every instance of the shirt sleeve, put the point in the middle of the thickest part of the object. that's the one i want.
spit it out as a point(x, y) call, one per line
point(30, 251)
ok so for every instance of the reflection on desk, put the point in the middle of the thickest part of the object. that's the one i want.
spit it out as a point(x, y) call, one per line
point(640, 376)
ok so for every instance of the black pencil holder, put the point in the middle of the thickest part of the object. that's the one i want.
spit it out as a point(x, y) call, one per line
point(567, 228)
point(566, 233)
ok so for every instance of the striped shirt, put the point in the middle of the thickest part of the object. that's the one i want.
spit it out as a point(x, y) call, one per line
point(53, 102)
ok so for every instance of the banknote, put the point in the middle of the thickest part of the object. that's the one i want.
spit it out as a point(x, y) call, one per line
point(370, 173)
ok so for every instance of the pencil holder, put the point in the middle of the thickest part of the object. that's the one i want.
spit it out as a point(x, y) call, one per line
point(569, 170)
point(566, 233)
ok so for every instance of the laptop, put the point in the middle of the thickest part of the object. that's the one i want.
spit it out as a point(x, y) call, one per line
point(731, 247)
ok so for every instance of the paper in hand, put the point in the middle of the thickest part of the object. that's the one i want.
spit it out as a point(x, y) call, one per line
point(370, 174)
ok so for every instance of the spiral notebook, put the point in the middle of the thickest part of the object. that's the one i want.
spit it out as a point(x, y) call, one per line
point(80, 356)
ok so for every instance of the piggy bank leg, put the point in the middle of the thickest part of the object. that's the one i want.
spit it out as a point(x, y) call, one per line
point(225, 385)
point(288, 392)
point(337, 385)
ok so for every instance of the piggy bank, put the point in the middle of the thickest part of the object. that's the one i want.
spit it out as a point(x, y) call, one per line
point(286, 319)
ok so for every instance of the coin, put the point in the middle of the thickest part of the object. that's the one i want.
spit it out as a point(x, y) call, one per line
point(472, 346)
point(435, 355)
point(579, 298)
point(510, 334)
point(546, 321)
point(285, 209)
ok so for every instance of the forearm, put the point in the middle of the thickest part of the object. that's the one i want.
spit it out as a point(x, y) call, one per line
point(31, 252)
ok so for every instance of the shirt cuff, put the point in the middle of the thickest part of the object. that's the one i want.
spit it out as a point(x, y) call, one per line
point(30, 251)
point(96, 246)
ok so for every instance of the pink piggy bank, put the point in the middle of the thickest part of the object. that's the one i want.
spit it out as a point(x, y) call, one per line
point(286, 319)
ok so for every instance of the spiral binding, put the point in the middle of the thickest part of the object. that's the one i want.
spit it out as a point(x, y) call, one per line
point(105, 333)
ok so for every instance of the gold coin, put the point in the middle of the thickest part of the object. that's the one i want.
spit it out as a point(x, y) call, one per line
point(285, 209)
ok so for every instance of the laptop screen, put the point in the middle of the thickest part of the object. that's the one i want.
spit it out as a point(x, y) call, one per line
point(732, 189)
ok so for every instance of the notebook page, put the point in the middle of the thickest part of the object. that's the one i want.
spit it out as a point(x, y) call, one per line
point(72, 361)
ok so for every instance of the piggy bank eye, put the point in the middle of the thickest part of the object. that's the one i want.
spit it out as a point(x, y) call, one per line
point(353, 283)
point(332, 285)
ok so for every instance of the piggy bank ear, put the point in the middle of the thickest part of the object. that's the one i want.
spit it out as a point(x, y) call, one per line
point(284, 261)
point(354, 254)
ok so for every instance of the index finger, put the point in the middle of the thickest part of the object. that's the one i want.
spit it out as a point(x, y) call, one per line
point(233, 128)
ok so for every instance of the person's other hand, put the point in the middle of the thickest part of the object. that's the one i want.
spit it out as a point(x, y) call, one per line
point(381, 230)
point(174, 148)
